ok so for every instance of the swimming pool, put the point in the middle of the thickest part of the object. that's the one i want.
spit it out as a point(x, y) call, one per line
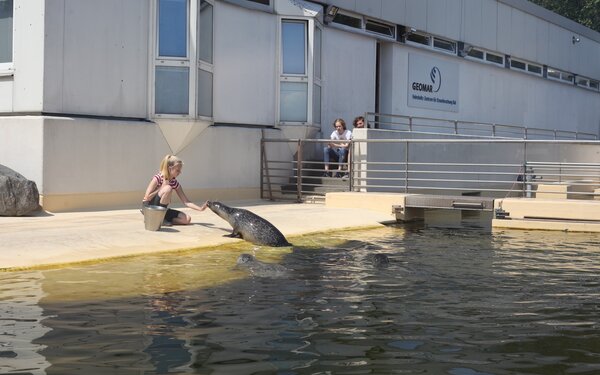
point(452, 301)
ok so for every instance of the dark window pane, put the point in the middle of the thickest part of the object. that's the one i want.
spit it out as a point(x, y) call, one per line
point(344, 19)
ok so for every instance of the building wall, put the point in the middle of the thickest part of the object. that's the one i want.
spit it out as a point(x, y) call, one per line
point(92, 59)
point(96, 57)
point(28, 56)
point(349, 77)
point(245, 73)
point(495, 95)
point(513, 27)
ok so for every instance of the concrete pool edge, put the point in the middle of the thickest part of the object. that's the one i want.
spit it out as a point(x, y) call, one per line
point(48, 240)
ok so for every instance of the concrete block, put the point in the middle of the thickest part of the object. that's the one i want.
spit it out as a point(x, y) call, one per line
point(536, 208)
point(566, 190)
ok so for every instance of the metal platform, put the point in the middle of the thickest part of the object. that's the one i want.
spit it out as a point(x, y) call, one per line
point(450, 202)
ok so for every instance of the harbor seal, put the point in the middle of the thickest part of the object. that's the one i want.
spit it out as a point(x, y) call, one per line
point(249, 226)
point(380, 260)
point(261, 269)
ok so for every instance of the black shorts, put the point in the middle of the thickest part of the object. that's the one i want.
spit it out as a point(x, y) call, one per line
point(171, 214)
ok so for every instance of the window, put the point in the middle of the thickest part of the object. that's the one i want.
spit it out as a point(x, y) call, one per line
point(595, 85)
point(560, 75)
point(293, 99)
point(204, 82)
point(316, 112)
point(494, 59)
point(294, 47)
point(300, 71)
point(582, 81)
point(430, 41)
point(418, 39)
point(361, 23)
point(183, 72)
point(535, 69)
point(567, 77)
point(516, 64)
point(6, 36)
point(348, 20)
point(444, 45)
point(476, 54)
point(554, 74)
point(526, 67)
point(486, 56)
point(380, 28)
point(262, 5)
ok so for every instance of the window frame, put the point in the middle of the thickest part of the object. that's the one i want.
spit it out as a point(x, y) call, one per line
point(561, 76)
point(309, 77)
point(192, 62)
point(452, 51)
point(526, 67)
point(7, 68)
point(429, 42)
point(252, 4)
point(484, 59)
point(392, 28)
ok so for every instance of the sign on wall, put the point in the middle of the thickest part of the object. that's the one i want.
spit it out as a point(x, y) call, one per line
point(432, 83)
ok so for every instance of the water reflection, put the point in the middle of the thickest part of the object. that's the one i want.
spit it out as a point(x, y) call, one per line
point(455, 301)
point(21, 322)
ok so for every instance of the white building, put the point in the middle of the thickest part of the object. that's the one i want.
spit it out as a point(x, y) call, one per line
point(93, 94)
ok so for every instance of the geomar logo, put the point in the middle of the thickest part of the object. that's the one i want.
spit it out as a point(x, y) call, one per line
point(436, 82)
point(436, 78)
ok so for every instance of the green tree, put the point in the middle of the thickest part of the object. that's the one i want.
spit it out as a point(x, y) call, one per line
point(585, 12)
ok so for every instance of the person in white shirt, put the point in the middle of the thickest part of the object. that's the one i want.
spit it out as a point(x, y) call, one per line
point(337, 150)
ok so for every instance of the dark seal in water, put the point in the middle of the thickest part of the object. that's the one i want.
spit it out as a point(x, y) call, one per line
point(249, 226)
point(261, 269)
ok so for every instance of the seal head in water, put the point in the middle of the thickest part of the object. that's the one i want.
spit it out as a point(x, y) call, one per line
point(249, 226)
point(261, 269)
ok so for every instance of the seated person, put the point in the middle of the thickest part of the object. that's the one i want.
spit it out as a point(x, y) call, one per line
point(359, 122)
point(337, 150)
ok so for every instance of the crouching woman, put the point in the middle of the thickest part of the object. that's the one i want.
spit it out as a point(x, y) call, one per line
point(160, 191)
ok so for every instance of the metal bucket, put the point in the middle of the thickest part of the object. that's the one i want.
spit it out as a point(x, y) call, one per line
point(153, 217)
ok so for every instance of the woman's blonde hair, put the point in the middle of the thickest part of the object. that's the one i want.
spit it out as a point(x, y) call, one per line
point(169, 161)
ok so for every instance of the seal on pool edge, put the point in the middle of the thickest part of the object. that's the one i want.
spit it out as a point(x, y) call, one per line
point(261, 269)
point(249, 226)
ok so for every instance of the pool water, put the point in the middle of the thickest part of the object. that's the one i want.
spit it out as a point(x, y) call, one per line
point(452, 301)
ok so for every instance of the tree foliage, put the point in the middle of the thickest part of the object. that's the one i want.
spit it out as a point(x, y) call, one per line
point(585, 12)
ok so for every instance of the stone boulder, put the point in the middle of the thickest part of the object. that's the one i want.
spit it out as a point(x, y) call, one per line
point(18, 195)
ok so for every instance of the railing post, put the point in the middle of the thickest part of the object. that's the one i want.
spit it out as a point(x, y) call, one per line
point(410, 124)
point(526, 174)
point(406, 167)
point(299, 170)
point(350, 166)
point(264, 170)
point(493, 130)
point(455, 127)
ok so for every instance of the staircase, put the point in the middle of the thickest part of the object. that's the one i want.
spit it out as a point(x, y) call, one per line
point(314, 185)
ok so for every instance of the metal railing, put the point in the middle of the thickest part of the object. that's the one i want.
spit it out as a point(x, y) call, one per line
point(428, 125)
point(292, 169)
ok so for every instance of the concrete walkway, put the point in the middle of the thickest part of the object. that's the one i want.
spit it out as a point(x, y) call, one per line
point(53, 239)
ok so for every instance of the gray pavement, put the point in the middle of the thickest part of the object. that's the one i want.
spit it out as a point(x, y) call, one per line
point(53, 239)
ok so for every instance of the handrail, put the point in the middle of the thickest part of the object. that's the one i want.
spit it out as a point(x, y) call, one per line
point(374, 120)
point(495, 167)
